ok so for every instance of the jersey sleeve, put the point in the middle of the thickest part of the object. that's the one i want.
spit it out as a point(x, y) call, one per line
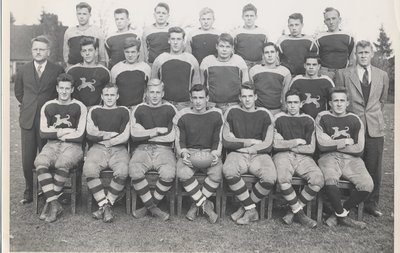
point(309, 148)
point(92, 130)
point(78, 134)
point(324, 141)
point(217, 135)
point(180, 139)
point(138, 132)
point(123, 136)
point(46, 130)
point(357, 148)
point(170, 135)
point(266, 145)
point(228, 138)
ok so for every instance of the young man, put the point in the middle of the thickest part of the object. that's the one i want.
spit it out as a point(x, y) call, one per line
point(199, 128)
point(223, 74)
point(38, 73)
point(295, 46)
point(114, 43)
point(249, 39)
point(368, 88)
point(248, 132)
point(152, 130)
point(62, 124)
point(294, 144)
point(340, 137)
point(131, 75)
point(155, 37)
point(315, 87)
point(89, 76)
point(74, 34)
point(108, 131)
point(269, 79)
point(178, 70)
point(335, 46)
point(201, 41)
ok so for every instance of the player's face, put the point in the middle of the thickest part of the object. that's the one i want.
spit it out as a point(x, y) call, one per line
point(121, 21)
point(155, 95)
point(270, 55)
point(206, 21)
point(339, 103)
point(199, 100)
point(131, 54)
point(249, 18)
point(312, 67)
point(293, 105)
point(64, 90)
point(248, 98)
point(364, 56)
point(225, 50)
point(332, 20)
point(110, 97)
point(40, 51)
point(83, 16)
point(176, 42)
point(295, 27)
point(89, 53)
point(161, 15)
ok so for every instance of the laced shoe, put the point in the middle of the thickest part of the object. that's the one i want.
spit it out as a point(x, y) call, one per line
point(140, 213)
point(55, 210)
point(44, 212)
point(248, 216)
point(288, 218)
point(208, 210)
point(304, 220)
point(108, 213)
point(193, 212)
point(158, 213)
point(98, 214)
point(332, 221)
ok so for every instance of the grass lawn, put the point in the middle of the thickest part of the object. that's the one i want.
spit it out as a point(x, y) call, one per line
point(82, 233)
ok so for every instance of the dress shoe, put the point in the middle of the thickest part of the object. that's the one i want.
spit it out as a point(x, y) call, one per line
point(28, 197)
point(373, 211)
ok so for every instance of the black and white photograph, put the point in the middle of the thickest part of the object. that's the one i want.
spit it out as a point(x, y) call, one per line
point(199, 126)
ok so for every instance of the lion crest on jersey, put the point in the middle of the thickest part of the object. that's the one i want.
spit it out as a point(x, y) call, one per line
point(60, 121)
point(311, 100)
point(85, 84)
point(337, 133)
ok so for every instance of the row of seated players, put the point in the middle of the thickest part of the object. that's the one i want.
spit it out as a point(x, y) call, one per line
point(334, 45)
point(179, 71)
point(249, 132)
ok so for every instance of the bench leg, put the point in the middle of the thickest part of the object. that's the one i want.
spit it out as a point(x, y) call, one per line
point(35, 192)
point(73, 193)
point(218, 197)
point(270, 205)
point(89, 200)
point(360, 211)
point(179, 200)
point(128, 196)
point(262, 209)
point(134, 200)
point(171, 196)
point(320, 203)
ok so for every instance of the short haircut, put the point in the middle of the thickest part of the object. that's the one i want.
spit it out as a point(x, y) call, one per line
point(64, 77)
point(249, 7)
point(109, 86)
point(83, 5)
point(163, 5)
point(89, 41)
point(43, 39)
point(198, 87)
point(248, 86)
point(364, 44)
point(294, 92)
point(155, 82)
point(205, 11)
point(337, 90)
point(270, 44)
point(328, 9)
point(297, 16)
point(312, 56)
point(121, 10)
point(176, 29)
point(132, 42)
point(225, 37)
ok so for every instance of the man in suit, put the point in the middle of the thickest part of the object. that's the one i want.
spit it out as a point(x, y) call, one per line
point(35, 85)
point(368, 89)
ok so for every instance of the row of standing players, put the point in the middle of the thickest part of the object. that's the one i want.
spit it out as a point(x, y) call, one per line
point(220, 70)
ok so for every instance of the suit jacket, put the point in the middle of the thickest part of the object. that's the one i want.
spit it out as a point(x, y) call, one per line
point(32, 92)
point(371, 113)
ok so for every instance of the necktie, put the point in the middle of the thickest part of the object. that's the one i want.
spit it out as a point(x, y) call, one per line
point(39, 70)
point(365, 81)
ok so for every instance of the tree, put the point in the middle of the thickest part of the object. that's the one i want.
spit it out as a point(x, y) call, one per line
point(383, 45)
point(12, 19)
point(54, 30)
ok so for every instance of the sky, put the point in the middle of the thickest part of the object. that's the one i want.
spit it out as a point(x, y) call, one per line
point(361, 18)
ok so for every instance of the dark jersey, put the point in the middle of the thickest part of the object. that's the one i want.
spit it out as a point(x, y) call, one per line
point(178, 72)
point(249, 43)
point(114, 45)
point(146, 117)
point(72, 48)
point(269, 84)
point(316, 93)
point(202, 43)
point(199, 131)
point(56, 116)
point(223, 79)
point(241, 124)
point(155, 42)
point(293, 51)
point(131, 80)
point(89, 82)
point(335, 49)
